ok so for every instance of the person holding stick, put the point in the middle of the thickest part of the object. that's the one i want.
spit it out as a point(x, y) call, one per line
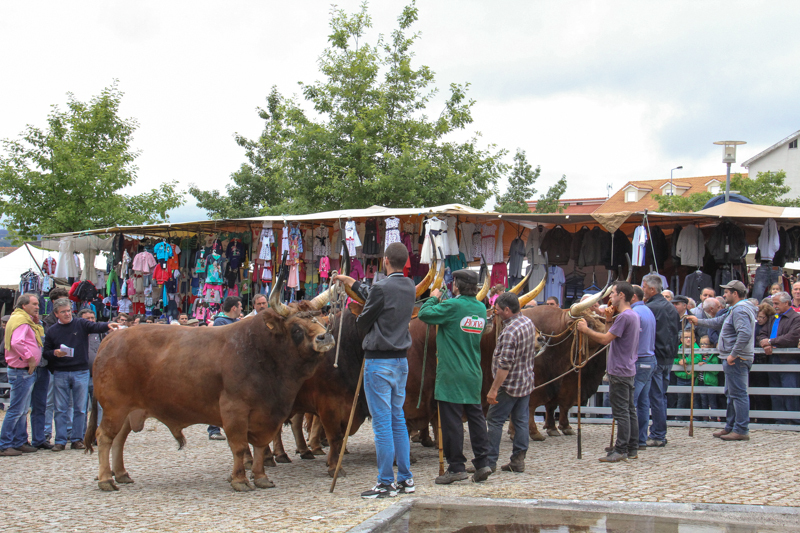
point(623, 341)
point(458, 375)
point(387, 312)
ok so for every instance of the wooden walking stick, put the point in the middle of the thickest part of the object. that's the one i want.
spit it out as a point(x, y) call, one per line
point(441, 450)
point(691, 397)
point(349, 425)
point(613, 423)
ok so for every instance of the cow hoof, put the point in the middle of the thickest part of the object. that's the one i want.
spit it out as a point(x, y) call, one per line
point(241, 486)
point(412, 458)
point(282, 458)
point(427, 442)
point(308, 454)
point(318, 451)
point(263, 483)
point(568, 431)
point(124, 478)
point(108, 486)
point(538, 437)
point(553, 433)
point(332, 471)
point(270, 462)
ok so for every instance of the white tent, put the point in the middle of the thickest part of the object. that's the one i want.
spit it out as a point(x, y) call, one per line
point(20, 261)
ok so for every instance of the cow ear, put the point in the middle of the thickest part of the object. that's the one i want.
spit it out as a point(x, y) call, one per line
point(355, 308)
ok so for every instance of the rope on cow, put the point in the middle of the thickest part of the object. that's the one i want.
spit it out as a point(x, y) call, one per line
point(598, 352)
point(339, 299)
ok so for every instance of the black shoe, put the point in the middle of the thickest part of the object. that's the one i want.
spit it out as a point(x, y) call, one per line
point(45, 446)
point(471, 469)
point(380, 491)
point(449, 477)
point(653, 443)
point(406, 487)
point(633, 454)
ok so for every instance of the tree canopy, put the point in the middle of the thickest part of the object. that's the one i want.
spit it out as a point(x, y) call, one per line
point(367, 138)
point(549, 202)
point(521, 180)
point(766, 189)
point(68, 177)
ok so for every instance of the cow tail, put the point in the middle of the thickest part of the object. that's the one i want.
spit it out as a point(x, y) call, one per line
point(91, 427)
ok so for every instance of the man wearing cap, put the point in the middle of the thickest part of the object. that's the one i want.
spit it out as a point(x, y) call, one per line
point(736, 341)
point(458, 374)
point(681, 304)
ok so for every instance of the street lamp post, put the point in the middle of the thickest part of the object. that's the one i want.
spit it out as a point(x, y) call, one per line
point(729, 156)
point(671, 185)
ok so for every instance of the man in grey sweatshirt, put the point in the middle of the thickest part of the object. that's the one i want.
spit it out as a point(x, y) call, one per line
point(736, 341)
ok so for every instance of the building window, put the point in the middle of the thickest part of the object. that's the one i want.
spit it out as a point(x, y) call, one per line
point(631, 196)
point(793, 144)
point(714, 189)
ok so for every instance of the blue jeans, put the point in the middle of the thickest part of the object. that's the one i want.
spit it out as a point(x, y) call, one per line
point(786, 380)
point(518, 408)
point(14, 432)
point(48, 415)
point(385, 389)
point(736, 378)
point(658, 400)
point(39, 405)
point(645, 366)
point(75, 386)
point(765, 278)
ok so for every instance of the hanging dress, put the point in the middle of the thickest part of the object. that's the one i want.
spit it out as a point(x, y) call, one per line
point(284, 242)
point(65, 266)
point(476, 242)
point(434, 237)
point(322, 245)
point(393, 233)
point(351, 238)
point(371, 237)
point(452, 237)
point(488, 242)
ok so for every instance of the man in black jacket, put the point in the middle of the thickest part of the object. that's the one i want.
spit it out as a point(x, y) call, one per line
point(782, 331)
point(384, 320)
point(667, 336)
point(66, 347)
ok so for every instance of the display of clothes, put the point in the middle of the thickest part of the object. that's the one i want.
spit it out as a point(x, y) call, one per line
point(351, 238)
point(691, 246)
point(488, 242)
point(555, 283)
point(434, 238)
point(533, 247)
point(557, 244)
point(694, 283)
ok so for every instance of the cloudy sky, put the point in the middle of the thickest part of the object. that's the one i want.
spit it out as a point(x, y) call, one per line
point(603, 92)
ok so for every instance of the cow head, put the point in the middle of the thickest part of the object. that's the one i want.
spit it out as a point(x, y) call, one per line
point(305, 330)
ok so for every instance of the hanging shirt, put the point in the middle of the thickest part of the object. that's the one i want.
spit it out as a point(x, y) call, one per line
point(144, 262)
point(235, 253)
point(691, 246)
point(214, 269)
point(639, 246)
point(351, 238)
point(499, 275)
point(163, 251)
point(554, 284)
point(49, 266)
point(768, 240)
point(173, 263)
point(515, 256)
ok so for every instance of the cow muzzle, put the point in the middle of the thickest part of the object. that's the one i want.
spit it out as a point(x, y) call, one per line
point(324, 342)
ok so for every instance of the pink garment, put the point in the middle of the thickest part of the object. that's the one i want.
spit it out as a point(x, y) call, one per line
point(143, 262)
point(499, 275)
point(324, 267)
point(23, 347)
point(131, 287)
point(294, 277)
point(493, 299)
point(356, 270)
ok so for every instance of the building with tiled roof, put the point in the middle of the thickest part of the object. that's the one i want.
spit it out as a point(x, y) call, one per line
point(638, 195)
point(574, 205)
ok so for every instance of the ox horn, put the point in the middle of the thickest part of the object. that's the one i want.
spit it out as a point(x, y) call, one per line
point(522, 283)
point(580, 308)
point(630, 268)
point(354, 295)
point(437, 282)
point(275, 295)
point(526, 298)
point(427, 280)
point(322, 300)
point(481, 296)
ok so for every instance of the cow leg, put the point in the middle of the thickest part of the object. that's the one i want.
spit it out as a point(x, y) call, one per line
point(563, 420)
point(235, 424)
point(105, 436)
point(279, 455)
point(118, 466)
point(260, 478)
point(533, 429)
point(269, 458)
point(299, 438)
point(316, 436)
point(550, 420)
point(335, 434)
point(248, 458)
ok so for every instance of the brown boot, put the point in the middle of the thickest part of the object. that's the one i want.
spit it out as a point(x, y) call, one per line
point(734, 436)
point(720, 432)
point(517, 463)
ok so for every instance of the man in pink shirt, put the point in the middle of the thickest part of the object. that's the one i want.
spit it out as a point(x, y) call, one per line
point(23, 344)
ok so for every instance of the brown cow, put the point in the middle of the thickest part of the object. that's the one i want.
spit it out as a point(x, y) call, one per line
point(242, 377)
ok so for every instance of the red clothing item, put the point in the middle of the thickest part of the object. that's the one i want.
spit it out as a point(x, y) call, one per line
point(160, 274)
point(499, 275)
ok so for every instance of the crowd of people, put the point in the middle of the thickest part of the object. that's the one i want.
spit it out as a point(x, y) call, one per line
point(49, 361)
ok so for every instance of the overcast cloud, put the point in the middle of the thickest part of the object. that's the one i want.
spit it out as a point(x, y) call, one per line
point(603, 92)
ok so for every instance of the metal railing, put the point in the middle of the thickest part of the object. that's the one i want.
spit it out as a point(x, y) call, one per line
point(596, 413)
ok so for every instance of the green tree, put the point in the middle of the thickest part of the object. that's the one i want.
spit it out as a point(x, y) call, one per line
point(766, 189)
point(367, 139)
point(68, 176)
point(549, 202)
point(521, 182)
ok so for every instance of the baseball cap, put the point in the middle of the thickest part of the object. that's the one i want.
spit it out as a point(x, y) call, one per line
point(735, 285)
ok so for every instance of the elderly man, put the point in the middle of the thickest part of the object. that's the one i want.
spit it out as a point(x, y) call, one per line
point(796, 296)
point(736, 340)
point(23, 348)
point(681, 304)
point(668, 295)
point(259, 304)
point(782, 331)
point(708, 309)
point(66, 347)
point(666, 346)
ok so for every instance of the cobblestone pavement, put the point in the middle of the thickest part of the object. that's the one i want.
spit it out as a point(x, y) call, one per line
point(187, 490)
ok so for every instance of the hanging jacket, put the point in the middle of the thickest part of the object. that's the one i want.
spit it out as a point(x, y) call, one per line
point(557, 243)
point(727, 242)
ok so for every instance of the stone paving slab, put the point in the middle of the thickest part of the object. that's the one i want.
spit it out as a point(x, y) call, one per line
point(187, 490)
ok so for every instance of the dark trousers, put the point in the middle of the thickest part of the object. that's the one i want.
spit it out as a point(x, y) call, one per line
point(623, 408)
point(39, 406)
point(453, 435)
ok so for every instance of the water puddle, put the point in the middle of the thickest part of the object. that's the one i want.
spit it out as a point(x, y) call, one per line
point(508, 519)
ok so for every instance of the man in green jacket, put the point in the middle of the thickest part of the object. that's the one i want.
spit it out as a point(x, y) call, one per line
point(458, 374)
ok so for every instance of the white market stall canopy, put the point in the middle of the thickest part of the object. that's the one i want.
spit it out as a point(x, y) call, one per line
point(20, 261)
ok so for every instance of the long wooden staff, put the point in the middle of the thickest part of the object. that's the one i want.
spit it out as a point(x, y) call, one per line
point(349, 425)
point(441, 450)
point(613, 423)
point(691, 398)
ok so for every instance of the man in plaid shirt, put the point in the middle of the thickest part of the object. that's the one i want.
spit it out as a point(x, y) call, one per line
point(512, 368)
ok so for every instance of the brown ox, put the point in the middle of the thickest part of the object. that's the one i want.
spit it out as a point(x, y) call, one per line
point(242, 377)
